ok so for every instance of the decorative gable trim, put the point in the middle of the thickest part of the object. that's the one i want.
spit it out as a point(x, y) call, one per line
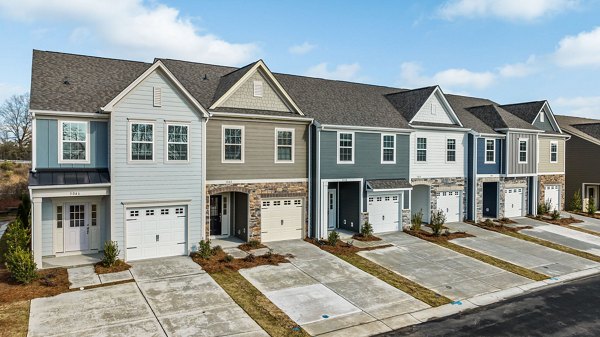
point(551, 118)
point(269, 76)
point(442, 98)
point(157, 65)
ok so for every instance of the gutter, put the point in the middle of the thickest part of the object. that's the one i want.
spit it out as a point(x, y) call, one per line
point(255, 116)
point(331, 127)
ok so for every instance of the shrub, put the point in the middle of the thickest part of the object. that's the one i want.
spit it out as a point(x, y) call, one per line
point(416, 221)
point(591, 206)
point(542, 209)
point(577, 203)
point(17, 236)
point(250, 258)
point(7, 166)
point(555, 215)
point(254, 244)
point(216, 250)
point(366, 230)
point(489, 222)
point(228, 258)
point(333, 238)
point(24, 210)
point(504, 219)
point(111, 253)
point(19, 263)
point(204, 250)
point(438, 218)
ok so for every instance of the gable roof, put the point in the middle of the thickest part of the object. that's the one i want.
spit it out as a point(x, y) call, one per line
point(228, 80)
point(527, 111)
point(498, 118)
point(586, 128)
point(409, 102)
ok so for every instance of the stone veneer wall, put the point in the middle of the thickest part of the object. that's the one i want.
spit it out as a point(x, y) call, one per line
point(405, 219)
point(513, 182)
point(552, 179)
point(479, 197)
point(444, 185)
point(256, 192)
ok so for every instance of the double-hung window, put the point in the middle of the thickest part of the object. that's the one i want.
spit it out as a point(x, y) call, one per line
point(284, 149)
point(177, 142)
point(554, 152)
point(74, 142)
point(233, 144)
point(450, 150)
point(141, 141)
point(522, 151)
point(345, 148)
point(421, 149)
point(490, 151)
point(388, 149)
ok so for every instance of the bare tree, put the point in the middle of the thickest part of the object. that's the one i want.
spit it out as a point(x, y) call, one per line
point(15, 120)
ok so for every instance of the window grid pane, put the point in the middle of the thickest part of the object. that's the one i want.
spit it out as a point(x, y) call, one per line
point(451, 150)
point(388, 148)
point(233, 144)
point(421, 149)
point(142, 147)
point(346, 146)
point(284, 145)
point(177, 142)
point(74, 140)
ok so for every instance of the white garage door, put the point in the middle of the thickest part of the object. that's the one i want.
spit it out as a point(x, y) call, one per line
point(156, 232)
point(449, 203)
point(552, 195)
point(383, 212)
point(281, 219)
point(513, 202)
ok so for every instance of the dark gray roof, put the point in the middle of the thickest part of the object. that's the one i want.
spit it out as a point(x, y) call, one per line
point(526, 111)
point(592, 129)
point(68, 177)
point(409, 102)
point(461, 105)
point(388, 184)
point(582, 127)
point(498, 118)
point(227, 81)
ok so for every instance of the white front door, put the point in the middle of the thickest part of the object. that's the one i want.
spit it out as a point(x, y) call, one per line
point(331, 209)
point(383, 212)
point(449, 203)
point(281, 219)
point(513, 202)
point(552, 196)
point(77, 228)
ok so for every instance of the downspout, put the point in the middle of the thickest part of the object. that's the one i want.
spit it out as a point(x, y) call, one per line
point(310, 180)
point(203, 180)
point(317, 196)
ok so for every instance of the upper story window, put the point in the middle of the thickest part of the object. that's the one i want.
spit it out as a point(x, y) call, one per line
point(233, 144)
point(142, 141)
point(554, 152)
point(177, 142)
point(522, 151)
point(422, 149)
point(451, 150)
point(284, 150)
point(490, 151)
point(388, 149)
point(74, 142)
point(345, 148)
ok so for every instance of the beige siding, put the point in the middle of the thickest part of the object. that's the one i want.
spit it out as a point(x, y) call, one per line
point(244, 98)
point(259, 148)
point(545, 166)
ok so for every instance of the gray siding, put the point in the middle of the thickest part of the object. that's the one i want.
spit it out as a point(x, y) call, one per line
point(158, 180)
point(513, 161)
point(259, 148)
point(581, 166)
point(46, 143)
point(545, 125)
point(47, 224)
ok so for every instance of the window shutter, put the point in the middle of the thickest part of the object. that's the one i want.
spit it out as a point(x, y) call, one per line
point(258, 88)
point(157, 96)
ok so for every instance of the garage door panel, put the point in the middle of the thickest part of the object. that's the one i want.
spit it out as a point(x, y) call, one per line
point(449, 203)
point(513, 202)
point(384, 212)
point(281, 219)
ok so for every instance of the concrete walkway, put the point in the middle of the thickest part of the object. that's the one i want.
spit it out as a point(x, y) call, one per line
point(588, 223)
point(561, 235)
point(522, 253)
point(442, 270)
point(323, 293)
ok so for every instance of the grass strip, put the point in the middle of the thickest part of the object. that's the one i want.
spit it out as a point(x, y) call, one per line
point(274, 321)
point(413, 289)
point(14, 319)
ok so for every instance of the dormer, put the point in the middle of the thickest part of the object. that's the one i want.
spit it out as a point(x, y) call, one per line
point(425, 107)
point(538, 113)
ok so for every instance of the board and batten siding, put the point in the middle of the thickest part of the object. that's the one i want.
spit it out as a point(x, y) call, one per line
point(158, 180)
point(433, 111)
point(513, 153)
point(47, 151)
point(545, 166)
point(259, 151)
point(367, 158)
point(436, 165)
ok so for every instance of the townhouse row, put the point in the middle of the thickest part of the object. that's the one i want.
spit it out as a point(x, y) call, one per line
point(158, 156)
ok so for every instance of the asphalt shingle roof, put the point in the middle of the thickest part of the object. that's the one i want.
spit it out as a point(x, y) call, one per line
point(409, 102)
point(526, 111)
point(583, 127)
point(388, 184)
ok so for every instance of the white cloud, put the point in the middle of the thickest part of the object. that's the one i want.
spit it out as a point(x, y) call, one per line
point(7, 90)
point(521, 69)
point(346, 72)
point(301, 49)
point(506, 9)
point(132, 28)
point(580, 50)
point(451, 79)
point(581, 106)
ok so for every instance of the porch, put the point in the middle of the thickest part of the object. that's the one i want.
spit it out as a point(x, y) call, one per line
point(71, 260)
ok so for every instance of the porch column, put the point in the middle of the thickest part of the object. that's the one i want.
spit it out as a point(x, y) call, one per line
point(36, 231)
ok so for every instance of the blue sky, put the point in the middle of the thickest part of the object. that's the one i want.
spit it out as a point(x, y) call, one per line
point(507, 50)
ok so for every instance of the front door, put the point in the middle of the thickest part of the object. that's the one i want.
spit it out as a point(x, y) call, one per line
point(215, 215)
point(77, 229)
point(331, 209)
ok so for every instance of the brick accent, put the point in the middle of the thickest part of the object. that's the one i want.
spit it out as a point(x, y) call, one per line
point(256, 192)
point(552, 179)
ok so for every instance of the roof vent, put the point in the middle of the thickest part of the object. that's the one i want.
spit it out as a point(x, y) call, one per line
point(66, 81)
point(205, 78)
point(157, 97)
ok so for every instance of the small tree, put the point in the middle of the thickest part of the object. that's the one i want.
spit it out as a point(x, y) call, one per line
point(438, 218)
point(576, 203)
point(366, 230)
point(416, 221)
point(21, 266)
point(204, 249)
point(111, 253)
point(333, 238)
point(591, 206)
point(24, 210)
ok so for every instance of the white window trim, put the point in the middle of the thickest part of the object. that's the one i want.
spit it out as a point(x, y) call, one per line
point(383, 135)
point(243, 145)
point(417, 151)
point(129, 153)
point(553, 143)
point(166, 146)
point(485, 151)
point(455, 150)
point(338, 147)
point(293, 131)
point(526, 150)
point(60, 142)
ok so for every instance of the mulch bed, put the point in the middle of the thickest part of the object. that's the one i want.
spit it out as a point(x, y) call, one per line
point(251, 246)
point(595, 216)
point(51, 282)
point(361, 237)
point(341, 247)
point(443, 237)
point(499, 228)
point(505, 221)
point(119, 265)
point(561, 221)
point(217, 262)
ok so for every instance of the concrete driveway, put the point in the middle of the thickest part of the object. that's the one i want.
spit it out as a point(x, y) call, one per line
point(522, 253)
point(588, 223)
point(442, 270)
point(170, 297)
point(561, 235)
point(323, 293)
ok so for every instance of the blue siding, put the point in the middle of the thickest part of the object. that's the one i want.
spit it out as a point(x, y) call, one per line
point(47, 224)
point(482, 167)
point(47, 145)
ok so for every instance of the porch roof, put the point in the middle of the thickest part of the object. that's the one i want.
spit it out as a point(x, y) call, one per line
point(48, 177)
point(388, 184)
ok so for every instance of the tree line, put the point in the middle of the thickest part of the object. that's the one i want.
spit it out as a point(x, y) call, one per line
point(15, 128)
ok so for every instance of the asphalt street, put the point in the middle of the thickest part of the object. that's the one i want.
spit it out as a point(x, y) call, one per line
point(570, 309)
